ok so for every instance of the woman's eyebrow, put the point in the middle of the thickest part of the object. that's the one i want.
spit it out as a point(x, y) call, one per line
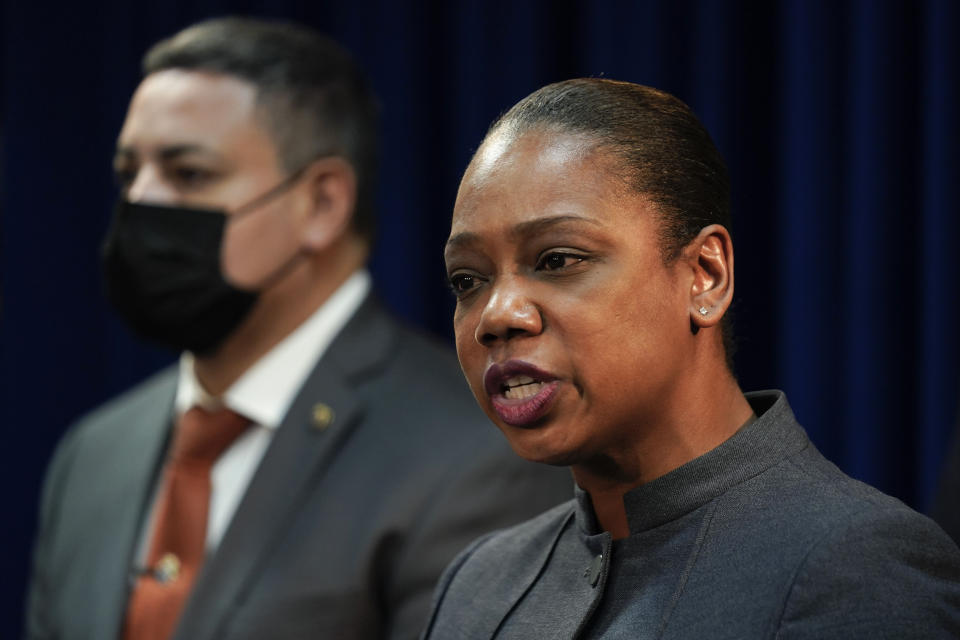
point(522, 229)
point(462, 239)
point(541, 225)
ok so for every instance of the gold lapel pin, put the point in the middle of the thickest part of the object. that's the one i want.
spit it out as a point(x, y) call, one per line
point(322, 416)
point(167, 569)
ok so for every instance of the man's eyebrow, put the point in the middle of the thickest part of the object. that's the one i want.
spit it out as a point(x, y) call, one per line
point(528, 228)
point(123, 152)
point(172, 151)
point(166, 153)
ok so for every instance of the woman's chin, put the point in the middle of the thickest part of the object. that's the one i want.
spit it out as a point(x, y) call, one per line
point(537, 446)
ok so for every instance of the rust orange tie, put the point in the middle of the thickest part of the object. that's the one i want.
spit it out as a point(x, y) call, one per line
point(180, 530)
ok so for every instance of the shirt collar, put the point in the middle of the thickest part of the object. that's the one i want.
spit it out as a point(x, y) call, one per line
point(265, 391)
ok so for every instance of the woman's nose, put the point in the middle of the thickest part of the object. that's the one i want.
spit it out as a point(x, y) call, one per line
point(509, 313)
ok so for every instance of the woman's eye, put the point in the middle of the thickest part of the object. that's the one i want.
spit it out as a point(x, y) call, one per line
point(462, 283)
point(556, 260)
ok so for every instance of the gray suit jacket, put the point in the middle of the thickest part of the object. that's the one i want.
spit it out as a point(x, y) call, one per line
point(342, 532)
point(760, 538)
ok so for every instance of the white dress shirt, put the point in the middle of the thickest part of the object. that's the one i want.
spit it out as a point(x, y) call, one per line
point(263, 394)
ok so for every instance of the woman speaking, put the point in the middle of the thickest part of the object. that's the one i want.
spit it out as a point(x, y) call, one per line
point(593, 270)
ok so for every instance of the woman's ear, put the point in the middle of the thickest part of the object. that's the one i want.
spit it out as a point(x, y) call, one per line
point(711, 292)
point(331, 186)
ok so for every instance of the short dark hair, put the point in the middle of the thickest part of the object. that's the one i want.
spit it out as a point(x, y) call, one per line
point(660, 147)
point(316, 99)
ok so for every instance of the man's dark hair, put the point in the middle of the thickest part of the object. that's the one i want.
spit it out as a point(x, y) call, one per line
point(316, 99)
point(662, 151)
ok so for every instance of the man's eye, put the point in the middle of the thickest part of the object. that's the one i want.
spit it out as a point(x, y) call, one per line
point(124, 177)
point(557, 260)
point(191, 176)
point(462, 283)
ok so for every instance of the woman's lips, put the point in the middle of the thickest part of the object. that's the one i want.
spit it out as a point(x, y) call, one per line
point(520, 393)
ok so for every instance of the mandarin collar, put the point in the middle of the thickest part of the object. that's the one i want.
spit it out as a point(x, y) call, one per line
point(754, 448)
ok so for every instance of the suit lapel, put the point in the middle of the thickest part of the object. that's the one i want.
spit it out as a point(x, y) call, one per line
point(506, 600)
point(297, 458)
point(140, 448)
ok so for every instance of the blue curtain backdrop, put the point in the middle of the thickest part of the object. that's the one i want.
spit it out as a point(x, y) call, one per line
point(838, 121)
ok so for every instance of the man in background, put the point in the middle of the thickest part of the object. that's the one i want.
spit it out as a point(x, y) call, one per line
point(310, 466)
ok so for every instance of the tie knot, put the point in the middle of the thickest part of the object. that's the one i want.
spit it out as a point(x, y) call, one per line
point(203, 435)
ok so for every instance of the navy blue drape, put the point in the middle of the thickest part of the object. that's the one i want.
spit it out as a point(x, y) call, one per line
point(838, 121)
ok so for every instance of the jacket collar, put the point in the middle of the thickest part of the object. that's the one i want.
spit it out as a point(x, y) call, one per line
point(756, 447)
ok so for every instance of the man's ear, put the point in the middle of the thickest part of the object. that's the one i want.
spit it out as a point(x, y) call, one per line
point(710, 256)
point(331, 185)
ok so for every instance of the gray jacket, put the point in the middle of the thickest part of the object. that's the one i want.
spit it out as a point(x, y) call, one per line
point(760, 538)
point(342, 531)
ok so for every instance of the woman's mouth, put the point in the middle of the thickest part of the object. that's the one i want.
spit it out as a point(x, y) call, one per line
point(521, 387)
point(520, 393)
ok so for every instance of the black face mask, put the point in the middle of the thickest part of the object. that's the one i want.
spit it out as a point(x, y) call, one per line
point(161, 268)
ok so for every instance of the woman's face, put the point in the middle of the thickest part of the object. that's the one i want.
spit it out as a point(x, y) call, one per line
point(571, 330)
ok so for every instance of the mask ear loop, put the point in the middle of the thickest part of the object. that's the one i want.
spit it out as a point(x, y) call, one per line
point(256, 203)
point(271, 193)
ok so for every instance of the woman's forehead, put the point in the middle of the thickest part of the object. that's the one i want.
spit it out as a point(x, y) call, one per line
point(550, 148)
point(544, 185)
point(535, 172)
point(524, 166)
